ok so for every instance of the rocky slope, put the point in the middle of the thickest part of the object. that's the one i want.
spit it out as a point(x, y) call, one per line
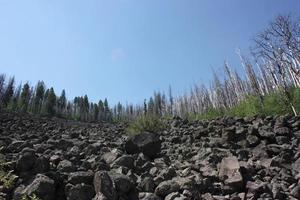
point(236, 159)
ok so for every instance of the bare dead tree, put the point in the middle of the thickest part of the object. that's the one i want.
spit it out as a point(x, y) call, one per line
point(278, 45)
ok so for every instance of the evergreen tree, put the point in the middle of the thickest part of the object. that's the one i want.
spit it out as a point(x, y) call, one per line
point(39, 96)
point(145, 107)
point(86, 108)
point(101, 110)
point(171, 101)
point(25, 97)
point(2, 82)
point(15, 99)
point(62, 102)
point(96, 112)
point(107, 113)
point(151, 106)
point(9, 91)
point(50, 102)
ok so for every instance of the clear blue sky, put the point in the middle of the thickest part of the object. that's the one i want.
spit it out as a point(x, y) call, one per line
point(126, 49)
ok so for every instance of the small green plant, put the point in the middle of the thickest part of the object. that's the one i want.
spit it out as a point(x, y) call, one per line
point(274, 104)
point(296, 98)
point(147, 123)
point(250, 106)
point(7, 178)
point(211, 113)
point(32, 197)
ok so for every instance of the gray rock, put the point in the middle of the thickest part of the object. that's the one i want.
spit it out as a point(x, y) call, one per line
point(147, 185)
point(81, 177)
point(109, 157)
point(42, 186)
point(80, 192)
point(148, 196)
point(122, 183)
point(230, 172)
point(104, 184)
point(41, 165)
point(26, 161)
point(167, 187)
point(124, 161)
point(148, 143)
point(296, 192)
point(65, 166)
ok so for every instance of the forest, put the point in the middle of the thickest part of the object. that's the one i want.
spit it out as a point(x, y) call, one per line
point(267, 82)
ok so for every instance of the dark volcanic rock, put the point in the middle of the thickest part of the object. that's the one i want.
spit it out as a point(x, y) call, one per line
point(103, 184)
point(148, 143)
point(79, 192)
point(222, 159)
point(26, 161)
point(230, 172)
point(42, 186)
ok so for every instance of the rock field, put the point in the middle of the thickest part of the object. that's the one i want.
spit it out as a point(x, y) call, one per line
point(228, 158)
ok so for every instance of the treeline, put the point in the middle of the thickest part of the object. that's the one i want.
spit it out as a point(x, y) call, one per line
point(273, 67)
point(42, 100)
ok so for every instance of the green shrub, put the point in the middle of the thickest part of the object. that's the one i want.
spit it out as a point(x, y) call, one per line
point(148, 123)
point(33, 197)
point(250, 106)
point(7, 178)
point(296, 98)
point(274, 104)
point(211, 113)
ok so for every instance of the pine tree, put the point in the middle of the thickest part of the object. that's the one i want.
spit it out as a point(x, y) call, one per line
point(119, 110)
point(15, 100)
point(25, 97)
point(107, 113)
point(62, 102)
point(86, 106)
point(9, 91)
point(2, 90)
point(101, 110)
point(50, 102)
point(39, 96)
point(151, 106)
point(96, 112)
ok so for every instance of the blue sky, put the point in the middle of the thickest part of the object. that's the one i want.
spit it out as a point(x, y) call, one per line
point(126, 49)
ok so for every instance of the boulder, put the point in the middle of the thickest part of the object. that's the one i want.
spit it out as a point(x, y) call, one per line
point(148, 143)
point(230, 172)
point(81, 177)
point(122, 183)
point(167, 187)
point(148, 196)
point(103, 184)
point(41, 165)
point(124, 161)
point(147, 185)
point(26, 161)
point(65, 166)
point(79, 192)
point(42, 186)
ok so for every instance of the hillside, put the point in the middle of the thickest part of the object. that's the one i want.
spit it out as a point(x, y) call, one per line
point(226, 158)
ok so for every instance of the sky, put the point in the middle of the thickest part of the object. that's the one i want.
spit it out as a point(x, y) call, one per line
point(127, 49)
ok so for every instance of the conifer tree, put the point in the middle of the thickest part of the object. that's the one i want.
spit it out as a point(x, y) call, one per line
point(62, 102)
point(86, 108)
point(2, 90)
point(15, 100)
point(107, 113)
point(9, 91)
point(25, 97)
point(101, 110)
point(50, 102)
point(96, 112)
point(39, 96)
